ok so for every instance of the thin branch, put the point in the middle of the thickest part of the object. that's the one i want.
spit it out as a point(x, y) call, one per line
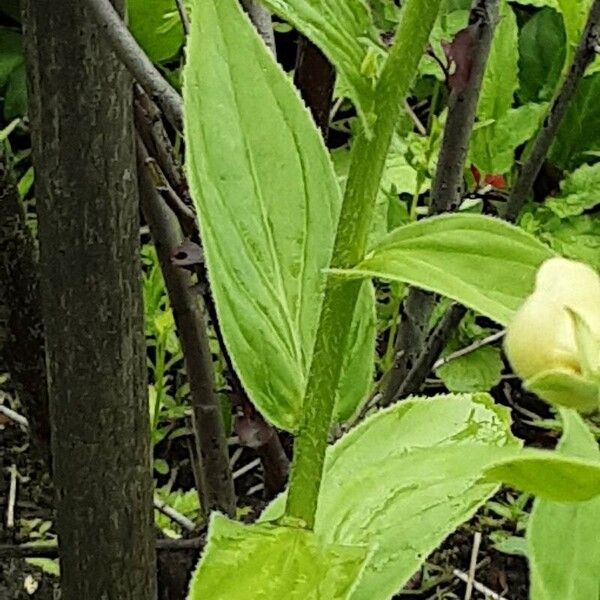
point(129, 52)
point(183, 17)
point(13, 551)
point(486, 591)
point(445, 196)
point(490, 339)
point(584, 55)
point(261, 18)
point(175, 516)
point(217, 483)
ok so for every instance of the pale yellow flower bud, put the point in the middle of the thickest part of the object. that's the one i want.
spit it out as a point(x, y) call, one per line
point(542, 335)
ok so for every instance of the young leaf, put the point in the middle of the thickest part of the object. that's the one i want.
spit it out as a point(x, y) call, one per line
point(268, 204)
point(404, 479)
point(501, 74)
point(478, 371)
point(340, 30)
point(542, 51)
point(243, 562)
point(482, 262)
point(549, 475)
point(562, 538)
point(579, 192)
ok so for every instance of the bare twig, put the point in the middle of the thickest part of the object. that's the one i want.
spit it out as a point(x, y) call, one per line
point(445, 196)
point(12, 498)
point(490, 339)
point(473, 565)
point(486, 591)
point(217, 484)
point(39, 551)
point(183, 16)
point(261, 18)
point(14, 416)
point(246, 468)
point(175, 516)
point(584, 55)
point(136, 61)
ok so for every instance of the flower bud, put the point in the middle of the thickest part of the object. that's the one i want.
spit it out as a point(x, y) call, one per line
point(543, 337)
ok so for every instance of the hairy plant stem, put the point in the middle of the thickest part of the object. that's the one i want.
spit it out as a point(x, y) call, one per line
point(367, 163)
point(585, 54)
point(412, 352)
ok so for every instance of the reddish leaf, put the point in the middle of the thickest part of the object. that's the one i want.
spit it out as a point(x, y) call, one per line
point(496, 181)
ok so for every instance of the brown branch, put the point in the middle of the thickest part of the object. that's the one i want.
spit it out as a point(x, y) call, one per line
point(315, 78)
point(217, 484)
point(14, 551)
point(445, 196)
point(261, 19)
point(129, 52)
point(584, 55)
point(183, 16)
point(21, 327)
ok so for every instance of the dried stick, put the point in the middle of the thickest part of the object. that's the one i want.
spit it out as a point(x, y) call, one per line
point(445, 195)
point(136, 61)
point(217, 484)
point(584, 55)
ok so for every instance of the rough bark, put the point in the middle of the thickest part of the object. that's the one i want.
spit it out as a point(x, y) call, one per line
point(21, 329)
point(86, 191)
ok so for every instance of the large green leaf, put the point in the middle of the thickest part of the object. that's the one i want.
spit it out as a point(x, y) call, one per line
point(579, 132)
point(344, 31)
point(268, 204)
point(156, 26)
point(482, 262)
point(563, 541)
point(248, 562)
point(404, 479)
point(493, 145)
point(542, 51)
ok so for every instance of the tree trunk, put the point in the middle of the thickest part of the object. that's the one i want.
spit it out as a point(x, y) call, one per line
point(84, 159)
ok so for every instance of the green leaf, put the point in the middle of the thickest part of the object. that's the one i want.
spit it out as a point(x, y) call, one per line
point(549, 475)
point(580, 192)
point(478, 371)
point(359, 361)
point(563, 542)
point(501, 78)
point(574, 14)
point(569, 390)
point(404, 479)
point(344, 32)
point(12, 74)
point(156, 26)
point(580, 129)
point(268, 204)
point(542, 51)
point(493, 145)
point(482, 262)
point(244, 562)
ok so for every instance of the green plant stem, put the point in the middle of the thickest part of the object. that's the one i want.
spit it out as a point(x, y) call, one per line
point(367, 163)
